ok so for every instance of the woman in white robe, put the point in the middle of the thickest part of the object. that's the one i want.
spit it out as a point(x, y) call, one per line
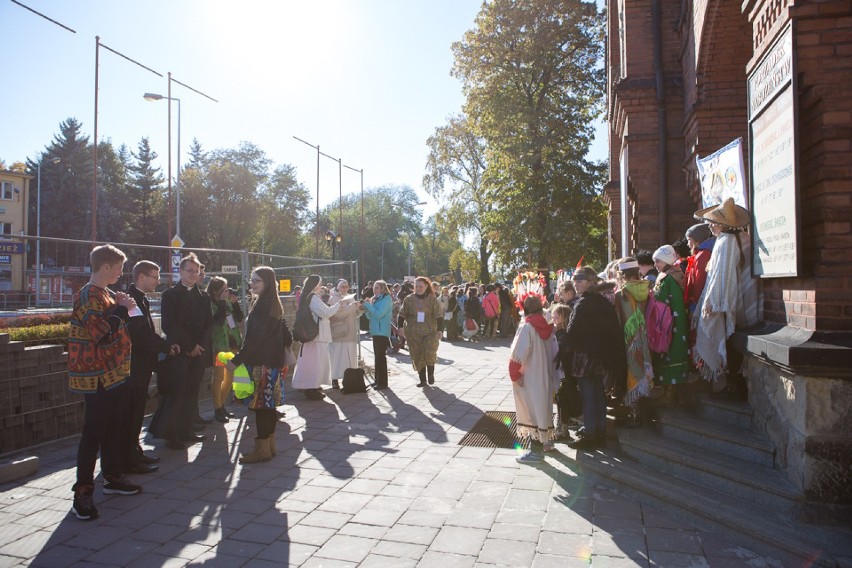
point(313, 367)
point(343, 349)
point(532, 370)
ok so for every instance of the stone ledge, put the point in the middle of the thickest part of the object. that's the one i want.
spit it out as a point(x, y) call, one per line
point(12, 470)
point(801, 351)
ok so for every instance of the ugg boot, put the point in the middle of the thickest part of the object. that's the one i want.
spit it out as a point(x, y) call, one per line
point(272, 450)
point(261, 452)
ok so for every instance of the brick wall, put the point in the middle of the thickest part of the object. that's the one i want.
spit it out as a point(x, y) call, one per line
point(822, 298)
point(35, 403)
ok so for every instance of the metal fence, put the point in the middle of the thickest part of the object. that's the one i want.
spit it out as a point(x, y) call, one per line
point(64, 268)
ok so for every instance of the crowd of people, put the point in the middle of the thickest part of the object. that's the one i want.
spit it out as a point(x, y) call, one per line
point(638, 329)
point(641, 325)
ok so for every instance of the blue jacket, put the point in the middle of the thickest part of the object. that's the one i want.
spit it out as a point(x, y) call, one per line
point(379, 314)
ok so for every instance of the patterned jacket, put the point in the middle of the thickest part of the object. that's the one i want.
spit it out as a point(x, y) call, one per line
point(99, 343)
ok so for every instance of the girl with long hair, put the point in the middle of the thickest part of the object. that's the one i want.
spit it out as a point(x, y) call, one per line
point(262, 353)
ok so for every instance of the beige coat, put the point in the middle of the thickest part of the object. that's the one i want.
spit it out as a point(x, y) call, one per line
point(344, 324)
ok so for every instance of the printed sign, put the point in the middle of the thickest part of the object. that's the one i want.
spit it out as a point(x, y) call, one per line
point(230, 268)
point(9, 247)
point(722, 175)
point(774, 191)
point(283, 285)
point(5, 259)
point(175, 262)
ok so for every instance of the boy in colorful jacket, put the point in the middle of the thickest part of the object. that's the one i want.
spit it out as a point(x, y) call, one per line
point(98, 368)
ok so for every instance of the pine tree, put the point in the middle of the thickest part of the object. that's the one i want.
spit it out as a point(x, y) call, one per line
point(148, 197)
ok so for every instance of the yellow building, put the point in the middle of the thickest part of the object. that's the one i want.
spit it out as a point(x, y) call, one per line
point(14, 203)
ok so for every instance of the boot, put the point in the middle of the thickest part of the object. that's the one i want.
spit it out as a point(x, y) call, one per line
point(430, 370)
point(422, 373)
point(219, 415)
point(272, 450)
point(261, 452)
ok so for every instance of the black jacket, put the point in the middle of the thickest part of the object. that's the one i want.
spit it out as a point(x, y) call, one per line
point(264, 341)
point(146, 342)
point(594, 330)
point(186, 316)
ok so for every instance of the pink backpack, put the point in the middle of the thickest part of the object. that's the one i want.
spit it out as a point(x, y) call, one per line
point(659, 323)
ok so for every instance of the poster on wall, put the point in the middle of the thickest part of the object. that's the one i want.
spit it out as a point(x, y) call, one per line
point(722, 175)
point(774, 168)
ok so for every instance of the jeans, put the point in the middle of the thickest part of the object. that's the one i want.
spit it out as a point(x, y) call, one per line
point(380, 348)
point(594, 406)
point(105, 426)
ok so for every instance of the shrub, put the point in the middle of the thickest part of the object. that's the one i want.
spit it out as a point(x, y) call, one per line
point(35, 320)
point(51, 333)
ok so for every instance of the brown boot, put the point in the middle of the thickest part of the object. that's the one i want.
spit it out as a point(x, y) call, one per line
point(272, 449)
point(261, 452)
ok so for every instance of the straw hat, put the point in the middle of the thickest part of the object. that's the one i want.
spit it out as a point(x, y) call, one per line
point(727, 213)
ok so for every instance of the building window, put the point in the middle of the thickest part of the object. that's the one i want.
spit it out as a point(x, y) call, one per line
point(5, 228)
point(6, 190)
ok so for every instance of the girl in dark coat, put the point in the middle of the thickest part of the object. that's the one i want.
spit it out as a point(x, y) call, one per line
point(262, 353)
point(597, 342)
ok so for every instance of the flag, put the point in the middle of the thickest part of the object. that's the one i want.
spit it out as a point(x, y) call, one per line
point(580, 262)
point(721, 175)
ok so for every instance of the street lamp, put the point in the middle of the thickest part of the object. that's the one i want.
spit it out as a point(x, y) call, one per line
point(383, 259)
point(333, 239)
point(156, 97)
point(54, 160)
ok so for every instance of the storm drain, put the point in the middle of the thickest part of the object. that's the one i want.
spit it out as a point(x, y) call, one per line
point(494, 430)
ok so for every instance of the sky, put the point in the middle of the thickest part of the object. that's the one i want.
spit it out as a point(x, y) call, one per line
point(366, 80)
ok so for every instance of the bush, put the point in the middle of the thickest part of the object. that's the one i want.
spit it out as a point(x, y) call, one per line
point(51, 333)
point(34, 320)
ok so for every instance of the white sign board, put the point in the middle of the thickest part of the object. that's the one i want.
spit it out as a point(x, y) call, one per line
point(772, 122)
point(230, 268)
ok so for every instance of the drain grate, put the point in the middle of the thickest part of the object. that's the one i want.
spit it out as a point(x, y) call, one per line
point(494, 430)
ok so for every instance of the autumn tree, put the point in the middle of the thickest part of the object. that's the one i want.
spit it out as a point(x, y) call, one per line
point(533, 81)
point(454, 176)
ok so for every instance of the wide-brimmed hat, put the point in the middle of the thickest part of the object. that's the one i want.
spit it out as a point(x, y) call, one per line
point(727, 213)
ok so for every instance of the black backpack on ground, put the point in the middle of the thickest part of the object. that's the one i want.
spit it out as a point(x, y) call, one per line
point(305, 328)
point(353, 381)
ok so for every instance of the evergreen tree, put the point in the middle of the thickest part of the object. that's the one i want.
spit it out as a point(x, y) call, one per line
point(148, 198)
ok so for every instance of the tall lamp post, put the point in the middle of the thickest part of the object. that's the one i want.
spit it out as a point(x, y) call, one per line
point(53, 160)
point(363, 278)
point(156, 97)
point(318, 179)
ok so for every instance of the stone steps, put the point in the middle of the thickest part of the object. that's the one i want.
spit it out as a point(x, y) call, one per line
point(734, 413)
point(727, 439)
point(732, 476)
point(761, 529)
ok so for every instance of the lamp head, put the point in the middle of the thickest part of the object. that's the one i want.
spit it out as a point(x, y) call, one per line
point(55, 160)
point(152, 97)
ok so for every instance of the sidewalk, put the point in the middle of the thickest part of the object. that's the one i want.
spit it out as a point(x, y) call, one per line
point(373, 479)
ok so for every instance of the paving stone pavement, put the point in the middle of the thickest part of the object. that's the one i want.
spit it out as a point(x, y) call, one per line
point(367, 480)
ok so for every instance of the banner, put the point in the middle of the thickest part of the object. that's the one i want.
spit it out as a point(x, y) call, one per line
point(722, 175)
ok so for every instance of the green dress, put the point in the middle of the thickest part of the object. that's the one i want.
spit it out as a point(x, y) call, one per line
point(671, 368)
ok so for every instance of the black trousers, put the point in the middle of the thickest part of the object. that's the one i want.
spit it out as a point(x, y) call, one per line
point(380, 351)
point(140, 379)
point(181, 407)
point(568, 399)
point(104, 430)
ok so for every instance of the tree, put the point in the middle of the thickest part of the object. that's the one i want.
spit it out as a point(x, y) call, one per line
point(148, 197)
point(117, 212)
point(533, 81)
point(284, 211)
point(433, 249)
point(66, 188)
point(454, 174)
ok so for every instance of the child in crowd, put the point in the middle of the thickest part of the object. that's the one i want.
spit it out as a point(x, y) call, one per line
point(531, 368)
point(568, 402)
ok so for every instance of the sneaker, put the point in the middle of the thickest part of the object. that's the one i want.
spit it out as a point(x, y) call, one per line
point(84, 504)
point(529, 457)
point(220, 416)
point(120, 485)
point(549, 446)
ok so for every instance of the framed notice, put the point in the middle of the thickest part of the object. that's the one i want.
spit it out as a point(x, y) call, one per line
point(773, 149)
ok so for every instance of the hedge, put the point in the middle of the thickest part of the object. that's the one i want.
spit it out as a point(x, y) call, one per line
point(34, 320)
point(56, 333)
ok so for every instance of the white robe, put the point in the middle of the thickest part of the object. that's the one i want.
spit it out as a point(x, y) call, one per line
point(313, 367)
point(534, 400)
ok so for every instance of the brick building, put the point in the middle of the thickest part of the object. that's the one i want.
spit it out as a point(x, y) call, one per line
point(685, 78)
